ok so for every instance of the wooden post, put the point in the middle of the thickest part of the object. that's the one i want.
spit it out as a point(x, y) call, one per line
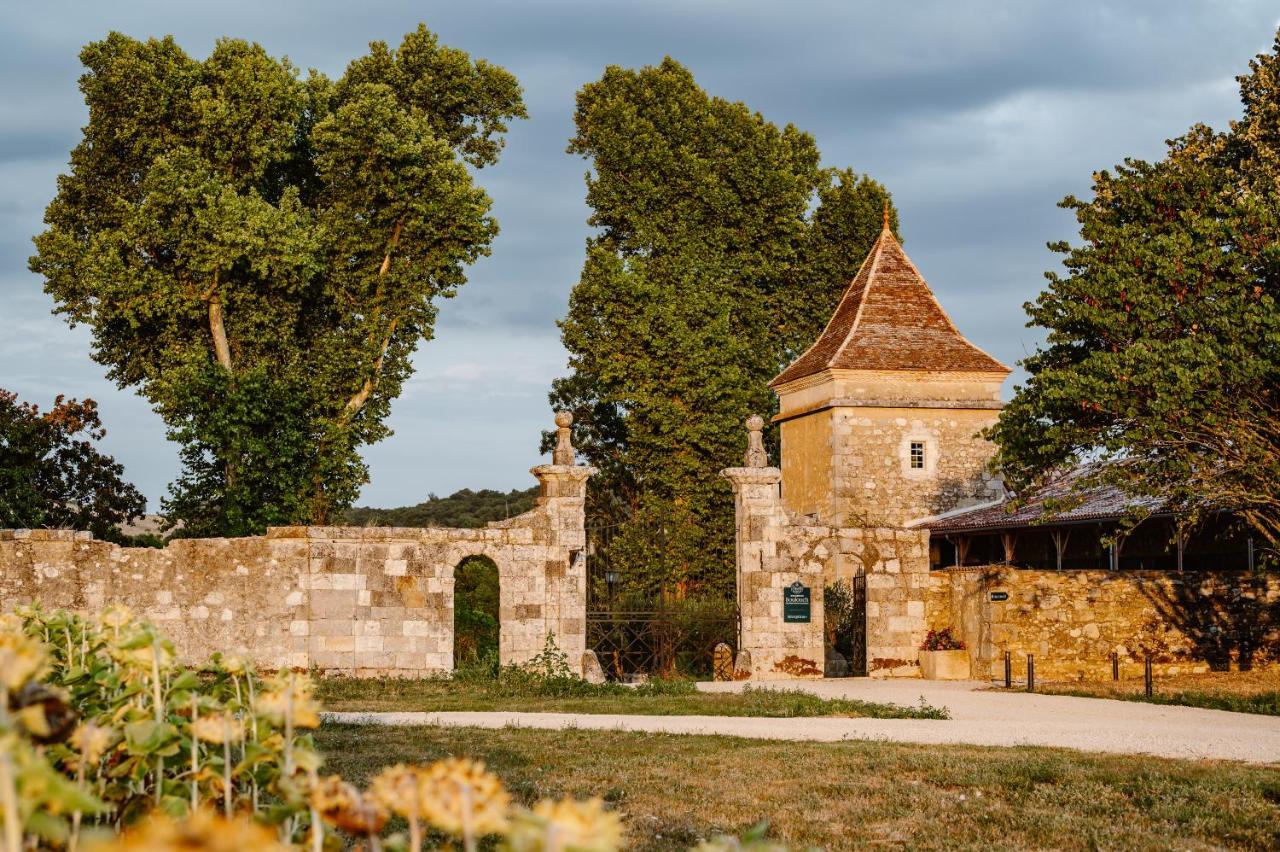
point(1060, 538)
point(1031, 673)
point(1009, 540)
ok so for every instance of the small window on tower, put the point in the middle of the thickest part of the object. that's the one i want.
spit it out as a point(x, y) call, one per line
point(917, 455)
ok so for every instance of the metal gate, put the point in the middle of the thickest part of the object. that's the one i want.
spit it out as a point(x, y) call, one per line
point(662, 637)
point(858, 637)
point(658, 643)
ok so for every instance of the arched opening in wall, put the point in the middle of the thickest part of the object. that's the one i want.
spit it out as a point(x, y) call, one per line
point(845, 626)
point(475, 614)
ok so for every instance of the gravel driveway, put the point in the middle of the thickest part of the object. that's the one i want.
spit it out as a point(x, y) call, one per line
point(979, 716)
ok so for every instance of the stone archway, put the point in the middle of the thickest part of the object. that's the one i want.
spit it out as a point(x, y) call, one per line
point(476, 612)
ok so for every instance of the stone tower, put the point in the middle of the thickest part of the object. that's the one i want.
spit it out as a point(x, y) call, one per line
point(879, 417)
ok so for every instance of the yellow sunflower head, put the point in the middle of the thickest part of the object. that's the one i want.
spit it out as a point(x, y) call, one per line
point(200, 832)
point(567, 826)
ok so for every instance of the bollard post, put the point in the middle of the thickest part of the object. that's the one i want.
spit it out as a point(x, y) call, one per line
point(1031, 673)
point(1008, 670)
point(1115, 666)
point(1147, 674)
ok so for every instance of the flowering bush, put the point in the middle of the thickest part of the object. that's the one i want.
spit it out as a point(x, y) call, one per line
point(941, 640)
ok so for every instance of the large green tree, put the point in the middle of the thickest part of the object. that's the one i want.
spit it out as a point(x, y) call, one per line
point(53, 475)
point(709, 271)
point(258, 252)
point(1162, 362)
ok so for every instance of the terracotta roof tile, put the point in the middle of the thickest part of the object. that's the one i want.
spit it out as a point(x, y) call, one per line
point(889, 319)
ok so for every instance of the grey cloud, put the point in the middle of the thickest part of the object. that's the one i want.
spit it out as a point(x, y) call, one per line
point(979, 116)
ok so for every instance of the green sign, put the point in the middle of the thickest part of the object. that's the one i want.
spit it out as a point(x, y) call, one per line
point(795, 604)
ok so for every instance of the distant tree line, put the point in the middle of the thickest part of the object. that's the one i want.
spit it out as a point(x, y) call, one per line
point(465, 508)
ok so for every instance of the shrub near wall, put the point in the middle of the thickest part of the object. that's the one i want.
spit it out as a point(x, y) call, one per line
point(1072, 621)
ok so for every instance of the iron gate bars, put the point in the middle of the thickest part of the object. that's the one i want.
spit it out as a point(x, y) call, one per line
point(657, 643)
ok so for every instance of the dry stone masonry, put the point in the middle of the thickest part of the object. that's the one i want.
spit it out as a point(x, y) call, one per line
point(1073, 621)
point(359, 601)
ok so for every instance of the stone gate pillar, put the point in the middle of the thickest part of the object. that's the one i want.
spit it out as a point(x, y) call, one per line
point(767, 566)
point(562, 501)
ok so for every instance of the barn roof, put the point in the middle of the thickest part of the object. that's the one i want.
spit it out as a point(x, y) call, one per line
point(1083, 505)
point(888, 319)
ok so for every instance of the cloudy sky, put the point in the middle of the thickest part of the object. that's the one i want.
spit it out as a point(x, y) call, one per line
point(979, 116)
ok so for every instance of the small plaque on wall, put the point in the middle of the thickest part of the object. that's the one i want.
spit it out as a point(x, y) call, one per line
point(795, 604)
point(999, 596)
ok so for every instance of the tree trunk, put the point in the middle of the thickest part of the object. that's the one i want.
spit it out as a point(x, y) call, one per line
point(360, 397)
point(217, 330)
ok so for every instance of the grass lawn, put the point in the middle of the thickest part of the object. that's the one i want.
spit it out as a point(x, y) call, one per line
point(514, 691)
point(676, 790)
point(1242, 692)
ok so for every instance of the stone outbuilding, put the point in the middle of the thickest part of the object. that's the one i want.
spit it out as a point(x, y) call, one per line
point(879, 418)
point(879, 423)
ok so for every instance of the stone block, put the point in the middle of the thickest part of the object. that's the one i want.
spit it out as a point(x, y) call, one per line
point(903, 623)
point(327, 603)
point(592, 671)
point(344, 644)
point(332, 627)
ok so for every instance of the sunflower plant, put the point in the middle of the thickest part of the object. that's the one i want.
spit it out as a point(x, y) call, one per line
point(109, 743)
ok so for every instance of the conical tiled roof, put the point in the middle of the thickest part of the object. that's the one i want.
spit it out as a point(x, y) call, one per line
point(889, 319)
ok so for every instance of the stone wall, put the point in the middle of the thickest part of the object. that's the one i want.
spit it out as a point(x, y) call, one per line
point(873, 481)
point(1072, 621)
point(776, 547)
point(896, 565)
point(360, 601)
point(846, 438)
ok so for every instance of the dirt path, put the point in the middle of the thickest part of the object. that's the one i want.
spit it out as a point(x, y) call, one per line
point(979, 716)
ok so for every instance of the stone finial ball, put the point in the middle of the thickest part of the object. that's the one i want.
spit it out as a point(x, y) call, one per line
point(755, 423)
point(564, 419)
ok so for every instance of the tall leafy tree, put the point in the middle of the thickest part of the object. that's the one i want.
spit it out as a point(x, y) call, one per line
point(1163, 353)
point(707, 273)
point(259, 253)
point(52, 475)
